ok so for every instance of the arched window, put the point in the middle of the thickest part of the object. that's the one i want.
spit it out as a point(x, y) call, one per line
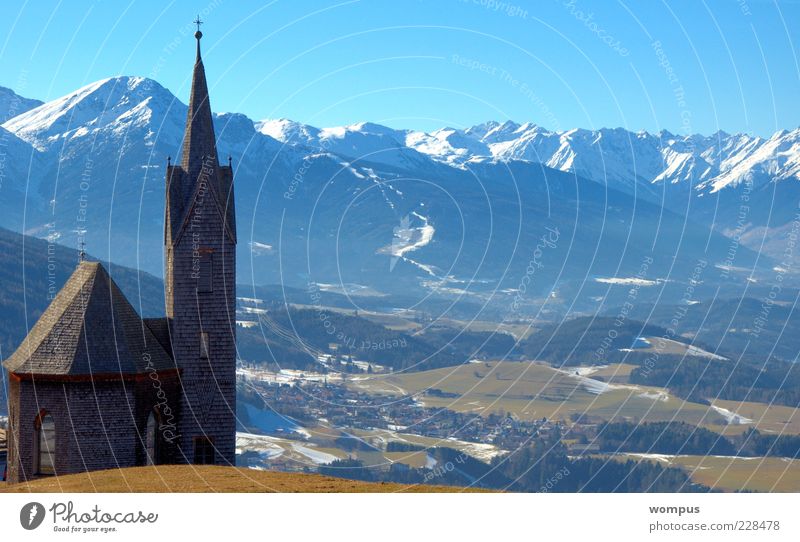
point(45, 444)
point(151, 440)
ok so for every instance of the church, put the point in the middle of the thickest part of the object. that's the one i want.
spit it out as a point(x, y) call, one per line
point(95, 386)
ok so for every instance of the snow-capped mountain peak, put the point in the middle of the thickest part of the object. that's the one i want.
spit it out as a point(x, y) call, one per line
point(288, 131)
point(635, 162)
point(115, 103)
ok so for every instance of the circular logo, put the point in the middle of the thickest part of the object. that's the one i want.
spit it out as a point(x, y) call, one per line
point(31, 515)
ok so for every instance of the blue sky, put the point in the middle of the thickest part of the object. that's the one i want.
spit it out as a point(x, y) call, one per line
point(687, 66)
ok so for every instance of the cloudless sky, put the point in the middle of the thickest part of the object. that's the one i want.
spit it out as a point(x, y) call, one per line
point(684, 66)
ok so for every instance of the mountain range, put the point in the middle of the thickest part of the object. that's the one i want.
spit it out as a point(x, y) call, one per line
point(503, 214)
point(633, 162)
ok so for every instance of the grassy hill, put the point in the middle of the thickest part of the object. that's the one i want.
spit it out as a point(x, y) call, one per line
point(209, 479)
point(734, 326)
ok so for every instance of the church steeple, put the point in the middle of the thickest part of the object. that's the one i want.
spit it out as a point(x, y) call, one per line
point(199, 146)
point(200, 284)
point(198, 179)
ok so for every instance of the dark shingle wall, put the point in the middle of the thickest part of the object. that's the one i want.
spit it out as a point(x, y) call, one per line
point(94, 426)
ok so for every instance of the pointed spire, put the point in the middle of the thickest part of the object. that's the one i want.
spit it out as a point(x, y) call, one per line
point(198, 141)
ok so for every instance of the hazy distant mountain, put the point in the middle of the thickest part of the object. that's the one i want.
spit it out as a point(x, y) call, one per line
point(367, 208)
point(12, 104)
point(34, 271)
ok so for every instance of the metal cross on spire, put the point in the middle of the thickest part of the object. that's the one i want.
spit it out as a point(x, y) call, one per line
point(83, 251)
point(198, 34)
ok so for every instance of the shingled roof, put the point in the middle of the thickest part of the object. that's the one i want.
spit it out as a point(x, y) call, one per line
point(90, 329)
point(199, 141)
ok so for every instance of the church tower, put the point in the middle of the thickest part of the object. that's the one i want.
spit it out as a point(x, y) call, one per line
point(200, 282)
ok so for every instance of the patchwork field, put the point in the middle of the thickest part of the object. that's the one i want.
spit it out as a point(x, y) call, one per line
point(381, 437)
point(662, 345)
point(534, 390)
point(766, 474)
point(321, 448)
point(518, 331)
point(767, 418)
point(617, 373)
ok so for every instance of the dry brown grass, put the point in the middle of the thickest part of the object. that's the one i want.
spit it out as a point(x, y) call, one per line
point(208, 479)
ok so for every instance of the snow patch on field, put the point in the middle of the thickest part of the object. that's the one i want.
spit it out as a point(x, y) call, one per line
point(662, 458)
point(285, 376)
point(481, 451)
point(598, 387)
point(268, 447)
point(626, 281)
point(695, 351)
point(589, 384)
point(430, 461)
point(319, 458)
point(655, 395)
point(264, 446)
point(731, 417)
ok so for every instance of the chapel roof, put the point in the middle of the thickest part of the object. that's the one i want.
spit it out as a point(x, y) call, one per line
point(89, 329)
